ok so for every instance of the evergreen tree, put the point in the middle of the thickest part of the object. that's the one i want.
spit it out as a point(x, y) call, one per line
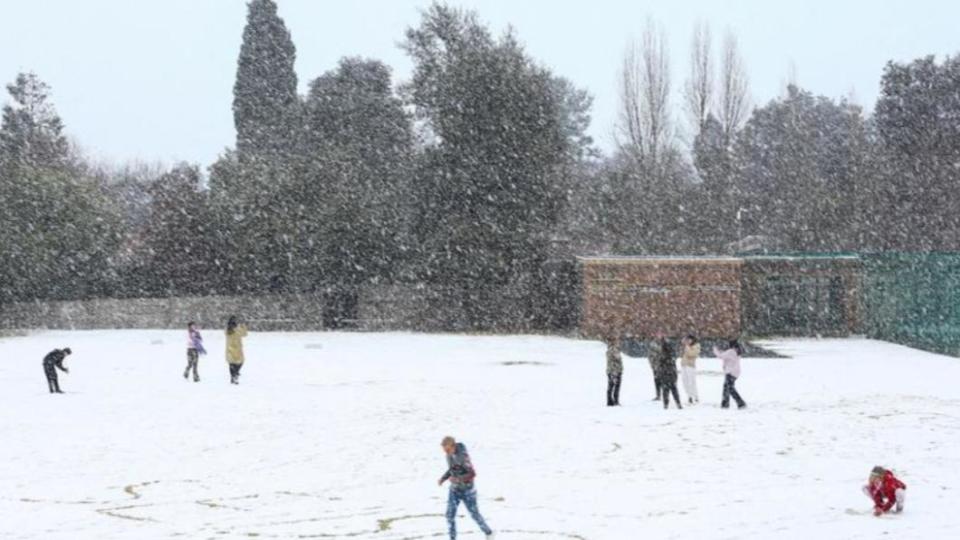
point(489, 189)
point(359, 146)
point(177, 238)
point(58, 229)
point(265, 101)
point(254, 188)
point(257, 210)
point(32, 132)
point(799, 162)
point(918, 141)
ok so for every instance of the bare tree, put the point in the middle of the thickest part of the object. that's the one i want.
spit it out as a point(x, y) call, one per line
point(645, 95)
point(733, 102)
point(698, 91)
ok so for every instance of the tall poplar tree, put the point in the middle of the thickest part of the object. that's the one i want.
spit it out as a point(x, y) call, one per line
point(265, 102)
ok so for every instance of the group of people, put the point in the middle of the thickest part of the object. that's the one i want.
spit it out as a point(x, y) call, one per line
point(235, 333)
point(886, 490)
point(663, 364)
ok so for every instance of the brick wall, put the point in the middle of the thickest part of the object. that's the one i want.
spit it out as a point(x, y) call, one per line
point(638, 296)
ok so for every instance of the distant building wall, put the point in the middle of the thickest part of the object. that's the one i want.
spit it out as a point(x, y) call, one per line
point(722, 297)
point(639, 296)
point(802, 296)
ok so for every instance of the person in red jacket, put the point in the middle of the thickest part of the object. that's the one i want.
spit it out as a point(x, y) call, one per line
point(886, 491)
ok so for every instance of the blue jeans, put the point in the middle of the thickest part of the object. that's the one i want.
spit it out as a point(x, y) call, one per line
point(469, 499)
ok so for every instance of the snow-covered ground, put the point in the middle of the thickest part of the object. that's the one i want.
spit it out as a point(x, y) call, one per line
point(337, 436)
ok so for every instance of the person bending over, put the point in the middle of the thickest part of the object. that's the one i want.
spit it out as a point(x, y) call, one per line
point(51, 363)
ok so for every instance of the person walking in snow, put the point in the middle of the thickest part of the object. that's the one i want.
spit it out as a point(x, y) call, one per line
point(886, 490)
point(688, 367)
point(731, 372)
point(460, 473)
point(614, 371)
point(51, 363)
point(667, 371)
point(194, 350)
point(654, 351)
point(235, 334)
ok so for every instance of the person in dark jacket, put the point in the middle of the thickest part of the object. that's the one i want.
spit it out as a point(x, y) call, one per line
point(654, 351)
point(51, 363)
point(614, 371)
point(667, 369)
point(460, 473)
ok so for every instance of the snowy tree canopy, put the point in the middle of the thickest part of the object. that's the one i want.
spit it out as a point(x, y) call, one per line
point(476, 178)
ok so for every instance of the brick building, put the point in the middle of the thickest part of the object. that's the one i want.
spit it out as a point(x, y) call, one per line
point(720, 296)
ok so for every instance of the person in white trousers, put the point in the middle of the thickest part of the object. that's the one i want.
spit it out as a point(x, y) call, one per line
point(688, 367)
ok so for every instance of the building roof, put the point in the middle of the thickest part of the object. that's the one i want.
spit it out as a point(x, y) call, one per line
point(716, 259)
point(658, 259)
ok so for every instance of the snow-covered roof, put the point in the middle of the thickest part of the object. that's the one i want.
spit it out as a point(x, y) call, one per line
point(804, 257)
point(658, 259)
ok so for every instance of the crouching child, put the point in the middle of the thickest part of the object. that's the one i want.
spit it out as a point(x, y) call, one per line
point(886, 490)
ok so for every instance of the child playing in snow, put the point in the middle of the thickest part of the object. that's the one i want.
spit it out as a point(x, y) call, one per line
point(731, 372)
point(194, 350)
point(460, 473)
point(235, 334)
point(688, 367)
point(886, 491)
point(614, 370)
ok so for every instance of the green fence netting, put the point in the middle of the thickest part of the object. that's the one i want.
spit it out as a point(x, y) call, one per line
point(913, 299)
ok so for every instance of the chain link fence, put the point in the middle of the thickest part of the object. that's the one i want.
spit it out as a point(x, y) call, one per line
point(913, 299)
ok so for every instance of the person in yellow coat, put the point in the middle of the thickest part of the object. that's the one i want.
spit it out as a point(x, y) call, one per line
point(235, 334)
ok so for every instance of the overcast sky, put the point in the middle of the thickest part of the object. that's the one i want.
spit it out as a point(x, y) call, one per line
point(152, 79)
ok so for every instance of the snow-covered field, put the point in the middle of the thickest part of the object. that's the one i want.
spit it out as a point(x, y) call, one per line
point(337, 436)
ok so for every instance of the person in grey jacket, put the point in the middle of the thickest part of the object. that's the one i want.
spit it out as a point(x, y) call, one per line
point(460, 473)
point(614, 371)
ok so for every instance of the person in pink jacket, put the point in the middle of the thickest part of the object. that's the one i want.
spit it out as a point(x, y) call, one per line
point(731, 372)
